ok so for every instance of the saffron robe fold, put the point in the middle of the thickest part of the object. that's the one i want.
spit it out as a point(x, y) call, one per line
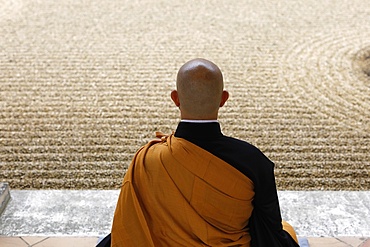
point(177, 194)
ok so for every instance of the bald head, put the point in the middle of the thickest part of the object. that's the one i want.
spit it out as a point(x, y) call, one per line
point(199, 90)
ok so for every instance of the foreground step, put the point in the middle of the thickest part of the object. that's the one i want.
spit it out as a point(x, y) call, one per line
point(89, 213)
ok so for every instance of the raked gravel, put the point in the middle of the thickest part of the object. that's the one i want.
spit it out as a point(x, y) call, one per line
point(83, 84)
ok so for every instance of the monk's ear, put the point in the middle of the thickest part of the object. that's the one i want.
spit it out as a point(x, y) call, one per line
point(175, 98)
point(224, 98)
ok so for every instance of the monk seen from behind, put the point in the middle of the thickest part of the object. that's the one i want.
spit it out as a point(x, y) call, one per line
point(199, 187)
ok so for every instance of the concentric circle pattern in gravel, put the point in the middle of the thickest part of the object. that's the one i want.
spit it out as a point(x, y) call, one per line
point(83, 84)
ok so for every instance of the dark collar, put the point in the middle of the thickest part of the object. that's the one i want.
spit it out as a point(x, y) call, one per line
point(198, 131)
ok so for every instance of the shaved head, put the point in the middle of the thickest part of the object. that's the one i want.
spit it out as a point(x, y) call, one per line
point(199, 89)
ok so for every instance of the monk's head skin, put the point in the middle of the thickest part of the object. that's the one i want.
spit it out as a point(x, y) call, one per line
point(199, 93)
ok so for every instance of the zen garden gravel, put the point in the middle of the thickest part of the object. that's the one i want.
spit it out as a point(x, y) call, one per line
point(83, 84)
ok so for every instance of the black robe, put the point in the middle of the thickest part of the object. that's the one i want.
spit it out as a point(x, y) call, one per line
point(265, 223)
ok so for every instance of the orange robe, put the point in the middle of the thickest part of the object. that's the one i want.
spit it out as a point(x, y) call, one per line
point(177, 194)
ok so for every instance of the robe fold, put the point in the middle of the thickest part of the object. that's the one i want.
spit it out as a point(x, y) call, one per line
point(177, 194)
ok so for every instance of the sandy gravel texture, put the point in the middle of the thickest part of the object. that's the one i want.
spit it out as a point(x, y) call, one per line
point(83, 84)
